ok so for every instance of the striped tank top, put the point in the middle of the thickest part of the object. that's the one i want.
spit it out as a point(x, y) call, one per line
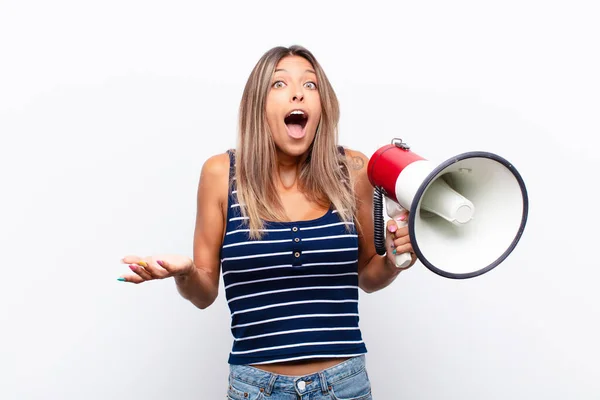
point(293, 294)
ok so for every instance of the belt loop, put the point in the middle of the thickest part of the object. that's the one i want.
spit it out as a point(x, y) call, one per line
point(324, 387)
point(270, 385)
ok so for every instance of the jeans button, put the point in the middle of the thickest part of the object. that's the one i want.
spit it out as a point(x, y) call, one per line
point(301, 385)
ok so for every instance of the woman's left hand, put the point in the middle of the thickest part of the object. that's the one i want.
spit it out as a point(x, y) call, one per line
point(398, 240)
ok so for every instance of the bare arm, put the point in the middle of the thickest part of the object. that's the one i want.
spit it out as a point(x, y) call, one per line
point(375, 272)
point(202, 285)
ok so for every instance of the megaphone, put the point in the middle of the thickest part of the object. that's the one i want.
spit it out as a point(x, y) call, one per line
point(466, 214)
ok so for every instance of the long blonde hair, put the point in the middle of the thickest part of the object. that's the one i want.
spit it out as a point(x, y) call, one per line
point(323, 177)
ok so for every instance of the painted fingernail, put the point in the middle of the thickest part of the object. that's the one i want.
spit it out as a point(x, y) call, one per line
point(132, 267)
point(121, 279)
point(393, 228)
point(143, 263)
point(159, 262)
point(394, 251)
point(402, 217)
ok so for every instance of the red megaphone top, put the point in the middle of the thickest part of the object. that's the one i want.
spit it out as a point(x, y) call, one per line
point(386, 164)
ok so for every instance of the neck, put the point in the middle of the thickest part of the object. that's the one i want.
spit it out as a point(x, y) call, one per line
point(288, 174)
point(287, 170)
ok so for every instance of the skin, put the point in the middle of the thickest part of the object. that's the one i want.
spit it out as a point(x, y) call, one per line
point(197, 279)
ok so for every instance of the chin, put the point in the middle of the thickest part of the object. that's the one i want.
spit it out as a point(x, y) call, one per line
point(295, 148)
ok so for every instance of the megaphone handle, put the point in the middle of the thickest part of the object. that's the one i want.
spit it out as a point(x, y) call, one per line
point(394, 211)
point(402, 260)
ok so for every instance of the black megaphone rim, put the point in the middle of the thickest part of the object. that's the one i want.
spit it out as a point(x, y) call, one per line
point(430, 177)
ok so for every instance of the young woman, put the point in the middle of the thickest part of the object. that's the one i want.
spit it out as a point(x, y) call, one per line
point(287, 219)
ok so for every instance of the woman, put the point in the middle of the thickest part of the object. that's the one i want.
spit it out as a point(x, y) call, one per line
point(288, 217)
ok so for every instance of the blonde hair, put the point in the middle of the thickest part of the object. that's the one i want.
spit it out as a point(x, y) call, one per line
point(323, 177)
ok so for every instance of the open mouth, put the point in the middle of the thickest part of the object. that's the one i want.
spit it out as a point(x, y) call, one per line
point(295, 123)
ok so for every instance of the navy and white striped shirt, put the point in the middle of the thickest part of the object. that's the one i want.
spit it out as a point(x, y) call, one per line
point(293, 294)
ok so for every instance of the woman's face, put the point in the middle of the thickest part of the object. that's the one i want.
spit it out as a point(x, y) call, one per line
point(293, 105)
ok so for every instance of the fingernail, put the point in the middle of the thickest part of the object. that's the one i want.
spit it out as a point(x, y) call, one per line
point(402, 217)
point(159, 262)
point(142, 263)
point(393, 228)
point(394, 251)
point(132, 267)
point(121, 279)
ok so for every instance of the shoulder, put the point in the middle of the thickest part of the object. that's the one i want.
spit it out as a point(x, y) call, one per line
point(214, 176)
point(357, 167)
point(357, 162)
point(216, 166)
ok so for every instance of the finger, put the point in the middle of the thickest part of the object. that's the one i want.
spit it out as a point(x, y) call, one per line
point(399, 241)
point(392, 226)
point(141, 272)
point(405, 215)
point(405, 248)
point(402, 231)
point(131, 279)
point(166, 266)
point(154, 269)
point(130, 259)
point(401, 219)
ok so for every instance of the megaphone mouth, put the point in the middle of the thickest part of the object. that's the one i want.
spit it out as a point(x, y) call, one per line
point(500, 249)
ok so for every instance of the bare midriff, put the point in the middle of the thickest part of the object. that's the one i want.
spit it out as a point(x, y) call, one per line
point(297, 368)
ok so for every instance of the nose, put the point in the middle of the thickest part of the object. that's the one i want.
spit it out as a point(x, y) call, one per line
point(298, 96)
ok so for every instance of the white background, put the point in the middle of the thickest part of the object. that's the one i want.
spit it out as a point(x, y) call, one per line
point(109, 109)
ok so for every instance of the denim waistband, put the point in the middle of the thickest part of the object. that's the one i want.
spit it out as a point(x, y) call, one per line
point(301, 384)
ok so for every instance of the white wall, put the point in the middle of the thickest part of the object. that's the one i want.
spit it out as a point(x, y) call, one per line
point(109, 109)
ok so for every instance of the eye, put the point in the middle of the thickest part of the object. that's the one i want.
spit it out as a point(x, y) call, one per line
point(278, 84)
point(310, 85)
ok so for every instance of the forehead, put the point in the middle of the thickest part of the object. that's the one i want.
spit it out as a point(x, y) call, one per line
point(294, 65)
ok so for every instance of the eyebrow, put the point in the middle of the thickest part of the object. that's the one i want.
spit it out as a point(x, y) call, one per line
point(284, 70)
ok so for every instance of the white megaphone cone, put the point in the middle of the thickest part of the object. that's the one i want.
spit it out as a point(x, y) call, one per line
point(467, 214)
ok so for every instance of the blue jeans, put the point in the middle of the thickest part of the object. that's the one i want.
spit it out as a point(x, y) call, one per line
point(345, 381)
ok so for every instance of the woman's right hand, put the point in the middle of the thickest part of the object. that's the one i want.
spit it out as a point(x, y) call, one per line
point(156, 267)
